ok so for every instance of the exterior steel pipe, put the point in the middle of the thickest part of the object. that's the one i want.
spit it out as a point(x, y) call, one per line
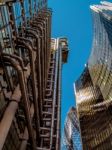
point(49, 12)
point(59, 102)
point(19, 59)
point(33, 32)
point(54, 99)
point(48, 16)
point(35, 7)
point(25, 140)
point(11, 108)
point(32, 63)
point(23, 14)
point(26, 135)
point(8, 116)
point(40, 29)
point(24, 96)
point(5, 70)
point(22, 40)
point(38, 53)
point(42, 22)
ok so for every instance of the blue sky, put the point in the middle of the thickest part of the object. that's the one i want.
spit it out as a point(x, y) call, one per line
point(73, 19)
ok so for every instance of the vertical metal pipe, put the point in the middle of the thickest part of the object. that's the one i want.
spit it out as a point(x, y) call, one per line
point(41, 21)
point(30, 8)
point(5, 70)
point(26, 135)
point(35, 7)
point(40, 29)
point(34, 33)
point(25, 99)
point(9, 5)
point(58, 136)
point(32, 59)
point(23, 16)
point(27, 110)
point(34, 81)
point(54, 96)
point(25, 141)
point(7, 121)
point(8, 117)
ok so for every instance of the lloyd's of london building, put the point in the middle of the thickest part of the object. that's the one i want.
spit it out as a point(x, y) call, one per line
point(30, 77)
point(93, 89)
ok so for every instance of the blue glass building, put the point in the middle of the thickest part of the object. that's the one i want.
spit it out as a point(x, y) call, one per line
point(71, 139)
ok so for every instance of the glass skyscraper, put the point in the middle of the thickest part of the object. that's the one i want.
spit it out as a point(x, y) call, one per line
point(71, 138)
point(93, 89)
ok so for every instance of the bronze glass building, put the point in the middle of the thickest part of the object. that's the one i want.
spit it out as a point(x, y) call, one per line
point(93, 89)
point(30, 76)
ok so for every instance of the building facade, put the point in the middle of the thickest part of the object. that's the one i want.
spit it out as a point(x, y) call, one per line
point(71, 138)
point(93, 89)
point(30, 77)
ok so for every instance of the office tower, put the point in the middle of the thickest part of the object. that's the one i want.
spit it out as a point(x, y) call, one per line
point(30, 77)
point(71, 138)
point(93, 89)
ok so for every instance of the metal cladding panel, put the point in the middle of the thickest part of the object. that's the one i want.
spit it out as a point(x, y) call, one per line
point(100, 61)
point(94, 113)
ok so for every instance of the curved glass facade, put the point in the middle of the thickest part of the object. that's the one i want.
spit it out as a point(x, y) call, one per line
point(94, 88)
point(100, 61)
